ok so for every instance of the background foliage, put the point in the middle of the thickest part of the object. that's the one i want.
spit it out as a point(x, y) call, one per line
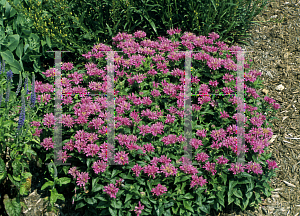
point(33, 27)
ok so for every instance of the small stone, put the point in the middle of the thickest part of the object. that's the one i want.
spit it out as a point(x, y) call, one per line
point(265, 91)
point(279, 87)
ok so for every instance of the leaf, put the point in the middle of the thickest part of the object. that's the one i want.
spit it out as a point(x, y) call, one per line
point(188, 196)
point(13, 42)
point(7, 56)
point(112, 212)
point(188, 206)
point(53, 196)
point(12, 207)
point(238, 193)
point(48, 41)
point(90, 201)
point(19, 50)
point(115, 172)
point(128, 197)
point(25, 48)
point(64, 180)
point(116, 204)
point(47, 184)
point(80, 205)
point(27, 175)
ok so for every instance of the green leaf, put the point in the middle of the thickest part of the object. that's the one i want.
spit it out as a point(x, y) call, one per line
point(19, 50)
point(116, 204)
point(25, 48)
point(128, 197)
point(112, 212)
point(13, 42)
point(53, 196)
point(64, 180)
point(7, 56)
point(188, 206)
point(12, 207)
point(185, 178)
point(48, 41)
point(47, 184)
point(90, 201)
point(27, 175)
point(80, 205)
point(238, 193)
point(188, 196)
point(115, 172)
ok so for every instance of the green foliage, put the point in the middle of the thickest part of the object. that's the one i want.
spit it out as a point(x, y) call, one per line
point(20, 45)
point(75, 28)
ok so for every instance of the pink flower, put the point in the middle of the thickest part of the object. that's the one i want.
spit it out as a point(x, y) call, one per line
point(99, 166)
point(236, 168)
point(222, 160)
point(189, 169)
point(201, 157)
point(173, 31)
point(73, 171)
point(111, 190)
point(49, 120)
point(201, 133)
point(254, 167)
point(138, 210)
point(63, 156)
point(37, 132)
point(157, 128)
point(35, 123)
point(137, 169)
point(159, 190)
point(121, 158)
point(195, 143)
point(198, 181)
point(224, 115)
point(91, 150)
point(213, 83)
point(47, 143)
point(151, 170)
point(67, 120)
point(210, 167)
point(272, 164)
point(218, 134)
point(69, 145)
point(82, 178)
point(67, 66)
point(77, 78)
point(168, 169)
point(149, 148)
point(164, 159)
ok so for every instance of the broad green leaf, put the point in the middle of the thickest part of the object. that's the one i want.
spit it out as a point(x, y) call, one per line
point(188, 196)
point(64, 180)
point(47, 184)
point(13, 42)
point(128, 197)
point(90, 201)
point(188, 206)
point(112, 212)
point(12, 207)
point(53, 196)
point(7, 56)
point(116, 204)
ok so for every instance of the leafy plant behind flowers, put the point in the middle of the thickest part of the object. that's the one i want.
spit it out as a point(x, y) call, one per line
point(149, 129)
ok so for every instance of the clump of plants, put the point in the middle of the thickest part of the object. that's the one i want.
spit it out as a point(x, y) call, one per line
point(152, 175)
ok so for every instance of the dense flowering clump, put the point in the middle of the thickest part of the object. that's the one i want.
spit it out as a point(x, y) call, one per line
point(147, 116)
